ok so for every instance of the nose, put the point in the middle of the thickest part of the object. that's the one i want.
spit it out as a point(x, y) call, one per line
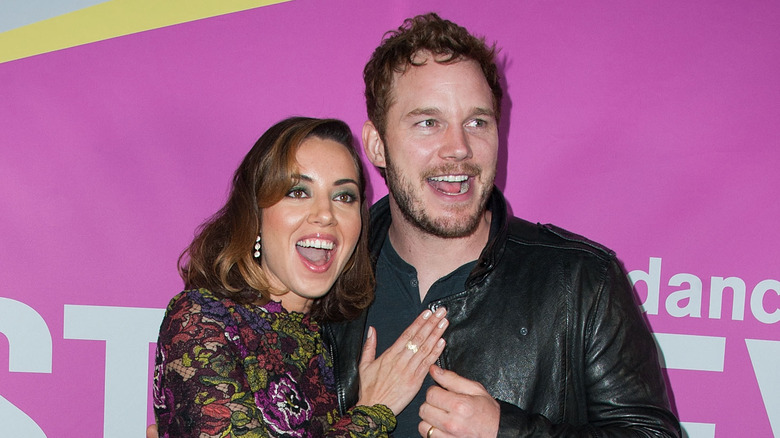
point(322, 212)
point(455, 144)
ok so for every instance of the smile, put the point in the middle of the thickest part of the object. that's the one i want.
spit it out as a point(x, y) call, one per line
point(317, 252)
point(452, 185)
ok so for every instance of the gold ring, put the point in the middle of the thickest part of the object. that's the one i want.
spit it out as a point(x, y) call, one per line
point(411, 346)
point(430, 432)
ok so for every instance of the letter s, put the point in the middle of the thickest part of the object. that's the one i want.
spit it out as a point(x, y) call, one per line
point(29, 351)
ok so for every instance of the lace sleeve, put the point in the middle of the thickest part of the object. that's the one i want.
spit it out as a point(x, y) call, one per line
point(200, 387)
point(364, 421)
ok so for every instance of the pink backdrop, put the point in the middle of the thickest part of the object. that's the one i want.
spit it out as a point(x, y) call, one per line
point(650, 126)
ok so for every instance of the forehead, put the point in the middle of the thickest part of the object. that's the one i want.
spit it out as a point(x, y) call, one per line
point(325, 157)
point(461, 80)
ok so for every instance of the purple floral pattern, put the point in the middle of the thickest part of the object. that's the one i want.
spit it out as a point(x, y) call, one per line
point(283, 407)
point(229, 370)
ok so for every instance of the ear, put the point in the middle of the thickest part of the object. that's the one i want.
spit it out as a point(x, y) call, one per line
point(373, 145)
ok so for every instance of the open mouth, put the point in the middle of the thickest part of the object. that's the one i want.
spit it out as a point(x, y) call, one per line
point(316, 251)
point(451, 185)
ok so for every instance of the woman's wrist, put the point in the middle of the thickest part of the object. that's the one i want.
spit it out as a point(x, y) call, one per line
point(381, 415)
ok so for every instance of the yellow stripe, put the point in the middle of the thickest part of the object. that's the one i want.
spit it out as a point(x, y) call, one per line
point(112, 19)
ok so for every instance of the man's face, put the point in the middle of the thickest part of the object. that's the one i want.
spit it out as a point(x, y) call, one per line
point(440, 146)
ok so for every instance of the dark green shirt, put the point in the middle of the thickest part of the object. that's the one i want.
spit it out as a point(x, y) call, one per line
point(397, 304)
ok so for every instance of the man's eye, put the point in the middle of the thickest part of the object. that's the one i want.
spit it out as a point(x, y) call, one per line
point(427, 123)
point(478, 123)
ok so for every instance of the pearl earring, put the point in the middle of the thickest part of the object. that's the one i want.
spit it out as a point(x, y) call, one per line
point(257, 247)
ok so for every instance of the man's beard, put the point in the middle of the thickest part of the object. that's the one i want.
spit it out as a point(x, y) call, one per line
point(413, 209)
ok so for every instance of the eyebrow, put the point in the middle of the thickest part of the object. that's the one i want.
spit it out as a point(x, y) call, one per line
point(479, 111)
point(339, 182)
point(427, 111)
point(433, 111)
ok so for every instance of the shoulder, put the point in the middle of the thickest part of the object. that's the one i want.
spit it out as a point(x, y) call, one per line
point(199, 307)
point(516, 234)
point(563, 261)
point(548, 238)
point(199, 301)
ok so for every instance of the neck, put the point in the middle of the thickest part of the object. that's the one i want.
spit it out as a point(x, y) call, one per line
point(294, 303)
point(432, 256)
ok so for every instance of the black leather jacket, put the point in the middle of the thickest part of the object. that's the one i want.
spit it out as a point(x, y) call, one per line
point(549, 324)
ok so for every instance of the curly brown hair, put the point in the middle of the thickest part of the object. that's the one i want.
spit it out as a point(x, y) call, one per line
point(220, 257)
point(447, 41)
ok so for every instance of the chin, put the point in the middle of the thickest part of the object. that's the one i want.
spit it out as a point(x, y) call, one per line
point(317, 291)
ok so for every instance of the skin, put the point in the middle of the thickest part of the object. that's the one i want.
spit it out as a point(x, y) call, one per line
point(324, 206)
point(395, 377)
point(441, 125)
point(322, 209)
point(458, 407)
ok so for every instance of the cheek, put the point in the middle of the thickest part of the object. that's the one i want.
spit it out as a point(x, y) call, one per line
point(280, 220)
point(419, 152)
point(409, 149)
point(351, 224)
point(486, 154)
point(275, 232)
point(268, 220)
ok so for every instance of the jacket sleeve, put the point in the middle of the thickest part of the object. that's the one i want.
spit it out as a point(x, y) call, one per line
point(624, 388)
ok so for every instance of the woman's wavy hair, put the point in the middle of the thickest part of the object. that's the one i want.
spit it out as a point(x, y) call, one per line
point(447, 41)
point(220, 258)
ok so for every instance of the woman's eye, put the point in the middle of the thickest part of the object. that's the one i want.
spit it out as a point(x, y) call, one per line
point(346, 197)
point(297, 193)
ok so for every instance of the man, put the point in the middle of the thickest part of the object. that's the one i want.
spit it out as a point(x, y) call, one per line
point(545, 338)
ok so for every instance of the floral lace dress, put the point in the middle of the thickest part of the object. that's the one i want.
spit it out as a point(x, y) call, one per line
point(230, 370)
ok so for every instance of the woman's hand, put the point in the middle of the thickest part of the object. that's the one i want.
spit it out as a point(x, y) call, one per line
point(395, 377)
point(151, 431)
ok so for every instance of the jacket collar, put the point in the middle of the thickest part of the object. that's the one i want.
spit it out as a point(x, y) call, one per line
point(381, 219)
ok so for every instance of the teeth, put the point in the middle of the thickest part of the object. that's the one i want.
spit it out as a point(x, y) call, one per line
point(316, 243)
point(450, 178)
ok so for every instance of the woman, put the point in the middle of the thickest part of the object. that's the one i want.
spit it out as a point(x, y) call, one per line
point(240, 352)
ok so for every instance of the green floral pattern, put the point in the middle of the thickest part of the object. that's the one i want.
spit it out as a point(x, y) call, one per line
point(230, 370)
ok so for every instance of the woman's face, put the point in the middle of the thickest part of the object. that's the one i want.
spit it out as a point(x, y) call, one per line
point(309, 235)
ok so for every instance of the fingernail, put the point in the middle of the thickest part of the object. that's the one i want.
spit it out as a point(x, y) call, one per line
point(426, 314)
point(440, 343)
point(443, 323)
point(441, 311)
point(370, 333)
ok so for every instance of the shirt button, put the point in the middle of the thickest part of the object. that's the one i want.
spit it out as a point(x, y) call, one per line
point(414, 282)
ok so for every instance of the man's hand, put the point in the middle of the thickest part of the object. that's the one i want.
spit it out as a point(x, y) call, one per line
point(460, 408)
point(151, 431)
